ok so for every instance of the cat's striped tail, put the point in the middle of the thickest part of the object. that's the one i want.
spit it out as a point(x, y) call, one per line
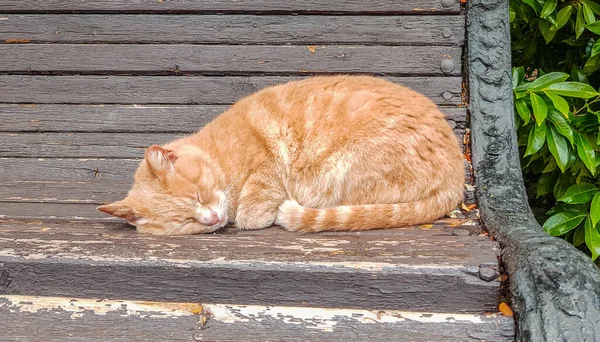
point(292, 216)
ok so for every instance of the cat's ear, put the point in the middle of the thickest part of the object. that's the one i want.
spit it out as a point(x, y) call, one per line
point(160, 160)
point(121, 209)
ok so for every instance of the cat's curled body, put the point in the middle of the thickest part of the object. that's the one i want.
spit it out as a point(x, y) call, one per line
point(324, 153)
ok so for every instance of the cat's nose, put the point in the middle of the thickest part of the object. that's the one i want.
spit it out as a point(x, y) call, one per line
point(209, 218)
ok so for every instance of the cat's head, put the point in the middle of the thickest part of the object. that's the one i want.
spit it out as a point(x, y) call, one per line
point(172, 194)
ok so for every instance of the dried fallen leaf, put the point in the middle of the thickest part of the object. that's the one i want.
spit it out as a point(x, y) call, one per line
point(464, 207)
point(380, 314)
point(472, 206)
point(426, 226)
point(504, 277)
point(312, 48)
point(337, 252)
point(17, 40)
point(505, 310)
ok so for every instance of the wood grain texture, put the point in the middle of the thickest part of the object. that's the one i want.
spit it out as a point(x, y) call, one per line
point(128, 118)
point(230, 60)
point(178, 89)
point(88, 145)
point(254, 6)
point(59, 319)
point(234, 29)
point(381, 269)
point(69, 180)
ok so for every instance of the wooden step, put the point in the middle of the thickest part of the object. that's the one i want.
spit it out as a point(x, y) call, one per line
point(75, 319)
point(431, 268)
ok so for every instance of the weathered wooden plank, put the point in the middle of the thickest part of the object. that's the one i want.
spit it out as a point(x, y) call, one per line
point(382, 270)
point(80, 145)
point(226, 6)
point(438, 246)
point(126, 118)
point(77, 319)
point(87, 145)
point(84, 180)
point(178, 89)
point(65, 180)
point(230, 60)
point(50, 212)
point(234, 29)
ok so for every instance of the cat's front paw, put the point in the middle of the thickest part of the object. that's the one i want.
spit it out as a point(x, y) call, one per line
point(254, 218)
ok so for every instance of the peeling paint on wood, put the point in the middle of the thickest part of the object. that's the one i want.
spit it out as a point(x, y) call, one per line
point(59, 316)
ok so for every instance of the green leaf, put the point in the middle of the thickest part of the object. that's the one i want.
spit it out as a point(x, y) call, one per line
point(563, 16)
point(558, 147)
point(545, 184)
point(592, 5)
point(562, 223)
point(561, 186)
point(540, 110)
point(537, 138)
point(523, 110)
point(551, 166)
point(595, 209)
point(561, 124)
point(548, 80)
point(572, 89)
point(592, 238)
point(588, 14)
point(579, 236)
point(595, 27)
point(586, 153)
point(534, 4)
point(517, 76)
point(579, 193)
point(579, 22)
point(595, 48)
point(549, 7)
point(558, 102)
point(578, 208)
point(592, 64)
point(577, 75)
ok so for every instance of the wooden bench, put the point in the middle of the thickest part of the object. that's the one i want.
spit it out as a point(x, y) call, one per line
point(86, 86)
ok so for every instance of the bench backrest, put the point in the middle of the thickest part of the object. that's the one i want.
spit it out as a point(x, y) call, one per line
point(86, 86)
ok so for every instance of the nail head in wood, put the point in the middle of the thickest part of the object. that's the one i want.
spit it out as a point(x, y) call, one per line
point(447, 66)
point(447, 3)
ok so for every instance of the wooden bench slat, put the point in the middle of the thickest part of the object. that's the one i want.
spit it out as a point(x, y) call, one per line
point(250, 267)
point(70, 180)
point(234, 29)
point(88, 145)
point(178, 89)
point(279, 6)
point(390, 245)
point(59, 319)
point(228, 60)
point(128, 118)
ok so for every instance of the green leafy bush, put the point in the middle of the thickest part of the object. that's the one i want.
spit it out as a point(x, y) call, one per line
point(556, 57)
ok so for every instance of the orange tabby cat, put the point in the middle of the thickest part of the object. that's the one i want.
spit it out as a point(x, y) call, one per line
point(322, 154)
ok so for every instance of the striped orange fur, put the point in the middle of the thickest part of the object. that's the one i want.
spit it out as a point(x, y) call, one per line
point(325, 153)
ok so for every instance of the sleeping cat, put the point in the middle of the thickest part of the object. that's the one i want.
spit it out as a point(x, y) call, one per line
point(331, 153)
